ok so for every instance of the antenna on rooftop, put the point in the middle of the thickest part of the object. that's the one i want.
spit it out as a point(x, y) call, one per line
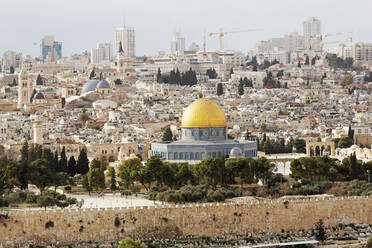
point(204, 43)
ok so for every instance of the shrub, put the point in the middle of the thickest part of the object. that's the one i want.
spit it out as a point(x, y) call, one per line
point(3, 202)
point(369, 243)
point(199, 193)
point(358, 187)
point(310, 188)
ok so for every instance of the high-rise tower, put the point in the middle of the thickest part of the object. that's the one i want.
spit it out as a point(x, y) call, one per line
point(312, 30)
point(177, 43)
point(127, 37)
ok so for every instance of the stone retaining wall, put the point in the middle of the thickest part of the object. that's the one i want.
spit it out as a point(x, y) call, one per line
point(212, 220)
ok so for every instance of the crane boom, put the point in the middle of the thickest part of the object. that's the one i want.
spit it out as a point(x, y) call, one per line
point(221, 34)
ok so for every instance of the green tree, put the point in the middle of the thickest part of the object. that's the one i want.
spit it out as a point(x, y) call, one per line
point(153, 166)
point(111, 173)
point(46, 200)
point(307, 62)
point(82, 166)
point(129, 172)
point(219, 89)
point(32, 95)
point(167, 135)
point(92, 74)
point(62, 163)
point(11, 69)
point(40, 174)
point(130, 243)
point(300, 145)
point(320, 233)
point(39, 80)
point(241, 89)
point(348, 79)
point(85, 183)
point(158, 76)
point(24, 164)
point(96, 179)
point(211, 73)
point(210, 171)
point(95, 164)
point(299, 64)
point(350, 133)
point(345, 142)
point(264, 169)
point(71, 166)
point(266, 64)
point(118, 81)
point(84, 116)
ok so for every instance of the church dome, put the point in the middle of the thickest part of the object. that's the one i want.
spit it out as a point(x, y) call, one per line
point(90, 85)
point(103, 84)
point(203, 113)
point(39, 96)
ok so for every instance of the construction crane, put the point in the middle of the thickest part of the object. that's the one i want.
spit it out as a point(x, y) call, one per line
point(321, 43)
point(221, 34)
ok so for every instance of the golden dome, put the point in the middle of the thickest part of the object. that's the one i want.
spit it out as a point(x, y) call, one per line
point(203, 113)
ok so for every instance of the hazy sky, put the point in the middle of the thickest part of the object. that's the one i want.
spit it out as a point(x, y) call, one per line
point(80, 24)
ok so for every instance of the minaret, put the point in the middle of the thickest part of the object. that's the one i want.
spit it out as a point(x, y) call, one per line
point(38, 131)
point(24, 89)
point(120, 59)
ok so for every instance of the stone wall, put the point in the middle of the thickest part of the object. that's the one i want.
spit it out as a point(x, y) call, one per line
point(213, 220)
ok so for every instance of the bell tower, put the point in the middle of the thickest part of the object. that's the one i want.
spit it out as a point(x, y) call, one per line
point(24, 89)
point(120, 60)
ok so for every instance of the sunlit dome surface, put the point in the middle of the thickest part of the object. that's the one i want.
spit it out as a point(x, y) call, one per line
point(203, 113)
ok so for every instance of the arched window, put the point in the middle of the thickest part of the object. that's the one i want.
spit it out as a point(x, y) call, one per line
point(191, 156)
point(181, 155)
point(197, 155)
point(176, 155)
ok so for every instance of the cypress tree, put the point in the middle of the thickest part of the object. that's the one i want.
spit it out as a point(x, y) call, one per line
point(82, 166)
point(219, 89)
point(62, 163)
point(71, 166)
point(241, 89)
point(24, 168)
point(39, 80)
point(55, 160)
point(158, 76)
point(167, 135)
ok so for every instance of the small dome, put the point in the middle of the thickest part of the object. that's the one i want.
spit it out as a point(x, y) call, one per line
point(90, 85)
point(235, 152)
point(39, 96)
point(203, 113)
point(354, 147)
point(103, 84)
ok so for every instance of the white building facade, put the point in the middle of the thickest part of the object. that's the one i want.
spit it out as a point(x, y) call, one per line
point(127, 37)
point(177, 44)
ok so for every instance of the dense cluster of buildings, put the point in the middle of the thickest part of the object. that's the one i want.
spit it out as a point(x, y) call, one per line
point(116, 106)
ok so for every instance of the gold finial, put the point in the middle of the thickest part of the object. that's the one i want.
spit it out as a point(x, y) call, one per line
point(202, 92)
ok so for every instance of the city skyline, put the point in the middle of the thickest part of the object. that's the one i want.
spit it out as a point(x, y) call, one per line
point(156, 24)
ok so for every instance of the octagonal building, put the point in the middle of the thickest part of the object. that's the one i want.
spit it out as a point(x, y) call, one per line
point(203, 135)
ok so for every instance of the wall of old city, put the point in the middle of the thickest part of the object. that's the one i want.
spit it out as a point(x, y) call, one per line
point(213, 220)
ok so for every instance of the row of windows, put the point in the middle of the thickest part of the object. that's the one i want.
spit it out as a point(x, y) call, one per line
point(204, 132)
point(198, 155)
